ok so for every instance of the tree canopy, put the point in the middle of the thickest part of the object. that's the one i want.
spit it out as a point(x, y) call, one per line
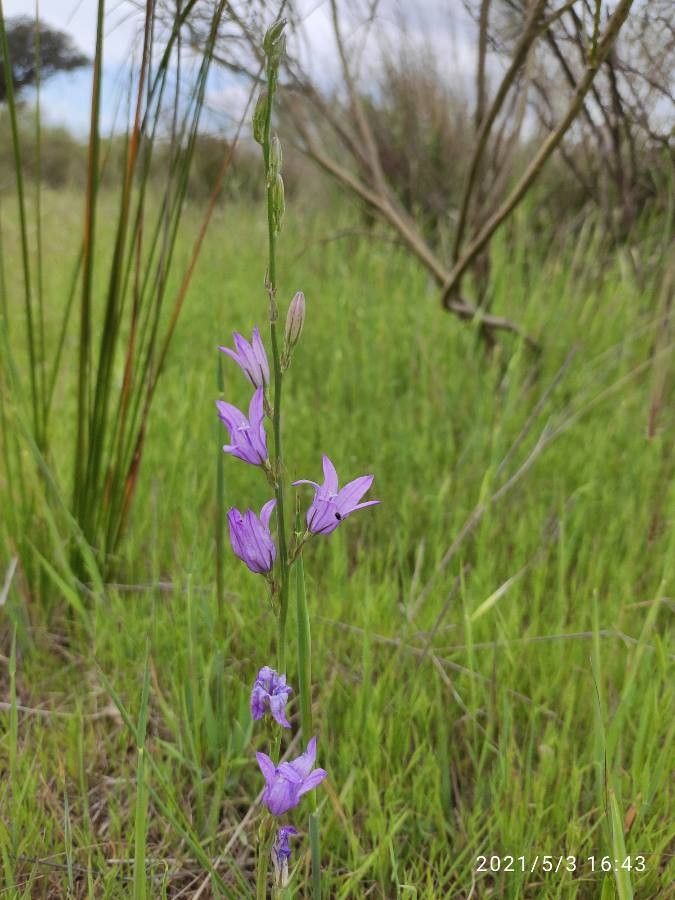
point(36, 51)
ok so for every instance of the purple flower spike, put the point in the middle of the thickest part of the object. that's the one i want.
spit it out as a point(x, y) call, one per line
point(251, 358)
point(251, 539)
point(331, 505)
point(249, 441)
point(281, 854)
point(285, 784)
point(270, 691)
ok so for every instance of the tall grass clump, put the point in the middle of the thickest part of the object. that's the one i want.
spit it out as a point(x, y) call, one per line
point(122, 300)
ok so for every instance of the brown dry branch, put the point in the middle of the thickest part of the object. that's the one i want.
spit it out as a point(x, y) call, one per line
point(481, 212)
point(392, 213)
point(480, 240)
point(343, 128)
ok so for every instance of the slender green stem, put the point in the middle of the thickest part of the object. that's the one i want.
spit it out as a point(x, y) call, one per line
point(264, 840)
point(279, 486)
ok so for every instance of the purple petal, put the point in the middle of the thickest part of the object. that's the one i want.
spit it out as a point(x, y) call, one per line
point(245, 353)
point(231, 353)
point(266, 512)
point(264, 677)
point(278, 710)
point(313, 780)
point(267, 767)
point(280, 796)
point(361, 506)
point(330, 483)
point(234, 521)
point(321, 515)
point(243, 453)
point(259, 550)
point(310, 752)
point(288, 770)
point(256, 410)
point(303, 764)
point(257, 703)
point(230, 415)
point(351, 493)
point(260, 355)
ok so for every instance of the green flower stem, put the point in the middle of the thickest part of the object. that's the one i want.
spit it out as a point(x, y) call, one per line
point(264, 835)
point(279, 486)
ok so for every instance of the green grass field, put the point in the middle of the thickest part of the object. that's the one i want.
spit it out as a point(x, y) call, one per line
point(491, 657)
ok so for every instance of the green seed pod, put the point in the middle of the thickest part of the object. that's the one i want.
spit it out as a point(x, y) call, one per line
point(259, 117)
point(274, 40)
point(278, 203)
point(276, 159)
point(295, 319)
point(277, 52)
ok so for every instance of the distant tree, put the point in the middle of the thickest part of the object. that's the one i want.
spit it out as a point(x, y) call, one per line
point(36, 51)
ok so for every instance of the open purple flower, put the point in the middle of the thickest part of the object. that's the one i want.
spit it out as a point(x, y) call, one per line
point(249, 441)
point(281, 854)
point(251, 358)
point(270, 691)
point(251, 539)
point(331, 505)
point(285, 784)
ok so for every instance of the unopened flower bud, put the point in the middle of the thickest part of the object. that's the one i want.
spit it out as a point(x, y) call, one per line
point(259, 117)
point(276, 159)
point(278, 203)
point(295, 319)
point(274, 42)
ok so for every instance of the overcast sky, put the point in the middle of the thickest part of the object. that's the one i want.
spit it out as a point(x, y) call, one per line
point(65, 100)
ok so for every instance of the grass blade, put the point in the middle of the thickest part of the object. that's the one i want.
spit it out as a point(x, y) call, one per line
point(315, 848)
point(304, 652)
point(305, 691)
point(141, 820)
point(621, 875)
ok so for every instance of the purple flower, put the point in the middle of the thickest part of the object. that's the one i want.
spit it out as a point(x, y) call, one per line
point(330, 505)
point(270, 691)
point(281, 854)
point(251, 539)
point(285, 784)
point(249, 441)
point(251, 358)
